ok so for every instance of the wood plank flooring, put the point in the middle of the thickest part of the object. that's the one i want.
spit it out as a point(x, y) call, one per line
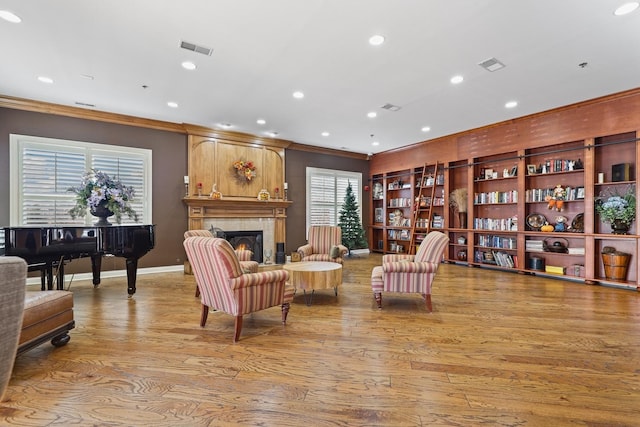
point(498, 350)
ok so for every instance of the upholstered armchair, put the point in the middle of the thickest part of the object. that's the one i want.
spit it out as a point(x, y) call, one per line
point(324, 244)
point(410, 273)
point(224, 286)
point(244, 255)
point(13, 277)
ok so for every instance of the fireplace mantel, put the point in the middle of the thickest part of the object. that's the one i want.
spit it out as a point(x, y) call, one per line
point(203, 208)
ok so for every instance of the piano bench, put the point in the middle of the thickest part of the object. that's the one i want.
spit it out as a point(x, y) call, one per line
point(48, 315)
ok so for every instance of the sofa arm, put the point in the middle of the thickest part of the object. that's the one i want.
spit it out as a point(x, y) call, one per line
point(397, 257)
point(305, 250)
point(257, 279)
point(409, 267)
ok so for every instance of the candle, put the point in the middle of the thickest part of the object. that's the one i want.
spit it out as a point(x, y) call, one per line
point(186, 179)
point(600, 178)
point(285, 186)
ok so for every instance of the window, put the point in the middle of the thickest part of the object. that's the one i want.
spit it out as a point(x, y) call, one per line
point(326, 190)
point(43, 169)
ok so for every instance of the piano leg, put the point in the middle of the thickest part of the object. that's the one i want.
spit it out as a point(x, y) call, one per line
point(60, 277)
point(96, 265)
point(132, 271)
point(49, 276)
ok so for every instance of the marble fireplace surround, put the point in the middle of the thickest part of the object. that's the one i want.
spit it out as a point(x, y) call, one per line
point(240, 214)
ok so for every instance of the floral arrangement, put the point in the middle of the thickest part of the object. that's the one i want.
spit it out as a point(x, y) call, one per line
point(613, 206)
point(245, 169)
point(99, 189)
point(458, 199)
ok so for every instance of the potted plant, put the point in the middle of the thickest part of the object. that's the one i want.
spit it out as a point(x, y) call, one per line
point(618, 209)
point(458, 201)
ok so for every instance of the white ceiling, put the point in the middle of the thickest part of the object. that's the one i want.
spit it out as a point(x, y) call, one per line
point(264, 50)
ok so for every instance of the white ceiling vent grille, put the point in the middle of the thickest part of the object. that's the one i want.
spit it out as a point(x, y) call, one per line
point(390, 107)
point(491, 64)
point(195, 48)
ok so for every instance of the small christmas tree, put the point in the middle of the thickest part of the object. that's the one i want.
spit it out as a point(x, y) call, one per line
point(352, 231)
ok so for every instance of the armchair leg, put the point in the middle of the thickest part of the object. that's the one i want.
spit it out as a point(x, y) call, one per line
point(236, 336)
point(285, 312)
point(378, 296)
point(204, 315)
point(427, 299)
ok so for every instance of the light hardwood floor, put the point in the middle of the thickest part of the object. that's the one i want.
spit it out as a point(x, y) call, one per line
point(498, 349)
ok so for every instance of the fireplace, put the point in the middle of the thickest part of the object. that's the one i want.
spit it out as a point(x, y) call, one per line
point(250, 240)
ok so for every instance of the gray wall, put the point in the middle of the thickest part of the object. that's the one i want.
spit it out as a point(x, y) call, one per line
point(169, 167)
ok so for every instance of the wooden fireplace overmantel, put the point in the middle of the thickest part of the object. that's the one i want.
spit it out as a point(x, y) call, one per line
point(202, 208)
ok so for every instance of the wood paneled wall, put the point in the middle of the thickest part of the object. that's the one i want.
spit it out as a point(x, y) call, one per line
point(612, 114)
point(211, 162)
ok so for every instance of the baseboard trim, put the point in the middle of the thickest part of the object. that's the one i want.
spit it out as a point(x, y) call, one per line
point(113, 273)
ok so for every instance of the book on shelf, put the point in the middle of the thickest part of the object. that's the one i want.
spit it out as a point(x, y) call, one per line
point(553, 269)
point(576, 251)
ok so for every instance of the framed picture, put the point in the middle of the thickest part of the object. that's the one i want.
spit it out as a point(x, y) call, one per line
point(514, 171)
point(580, 193)
point(488, 173)
point(531, 169)
point(295, 256)
point(379, 216)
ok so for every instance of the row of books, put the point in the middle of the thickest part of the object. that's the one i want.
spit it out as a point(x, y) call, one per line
point(491, 241)
point(401, 202)
point(498, 224)
point(495, 197)
point(540, 194)
point(499, 258)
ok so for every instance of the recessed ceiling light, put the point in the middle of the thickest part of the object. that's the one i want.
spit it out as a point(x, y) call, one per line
point(372, 114)
point(9, 16)
point(511, 104)
point(172, 104)
point(298, 95)
point(325, 134)
point(376, 40)
point(45, 79)
point(261, 121)
point(375, 143)
point(188, 65)
point(272, 134)
point(626, 8)
point(457, 79)
point(425, 129)
point(87, 76)
point(226, 125)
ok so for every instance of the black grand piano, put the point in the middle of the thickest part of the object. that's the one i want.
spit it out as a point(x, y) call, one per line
point(48, 248)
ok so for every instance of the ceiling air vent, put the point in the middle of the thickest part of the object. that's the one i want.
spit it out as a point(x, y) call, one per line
point(390, 107)
point(491, 64)
point(85, 104)
point(195, 48)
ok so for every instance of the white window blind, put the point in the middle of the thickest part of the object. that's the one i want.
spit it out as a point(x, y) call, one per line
point(326, 189)
point(43, 169)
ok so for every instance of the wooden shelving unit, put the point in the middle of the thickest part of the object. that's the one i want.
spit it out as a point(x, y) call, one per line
point(508, 204)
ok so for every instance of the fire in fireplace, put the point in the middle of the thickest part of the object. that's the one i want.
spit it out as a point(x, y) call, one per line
point(250, 240)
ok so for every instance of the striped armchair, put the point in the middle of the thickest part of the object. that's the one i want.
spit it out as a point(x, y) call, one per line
point(244, 255)
point(224, 286)
point(410, 273)
point(322, 238)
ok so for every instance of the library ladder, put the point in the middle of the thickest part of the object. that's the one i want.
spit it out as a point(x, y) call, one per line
point(423, 205)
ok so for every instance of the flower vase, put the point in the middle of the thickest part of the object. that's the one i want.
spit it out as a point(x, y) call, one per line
point(619, 227)
point(101, 212)
point(462, 217)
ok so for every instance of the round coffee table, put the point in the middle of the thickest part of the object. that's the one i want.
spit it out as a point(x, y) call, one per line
point(312, 275)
